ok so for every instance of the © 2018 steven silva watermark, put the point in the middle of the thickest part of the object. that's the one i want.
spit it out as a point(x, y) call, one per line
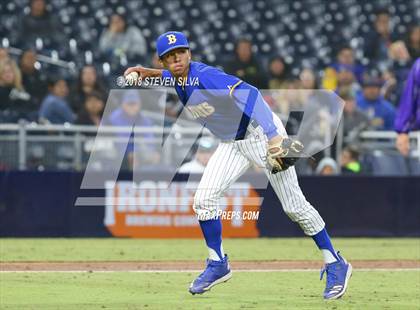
point(157, 81)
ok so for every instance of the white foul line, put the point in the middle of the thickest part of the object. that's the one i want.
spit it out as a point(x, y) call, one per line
point(193, 271)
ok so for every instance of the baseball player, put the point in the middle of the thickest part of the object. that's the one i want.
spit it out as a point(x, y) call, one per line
point(259, 138)
point(408, 116)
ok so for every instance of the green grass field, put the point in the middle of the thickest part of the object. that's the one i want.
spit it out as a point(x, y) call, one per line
point(376, 289)
point(263, 290)
point(194, 249)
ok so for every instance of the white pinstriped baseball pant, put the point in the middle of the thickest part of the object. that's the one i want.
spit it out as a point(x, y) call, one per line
point(231, 159)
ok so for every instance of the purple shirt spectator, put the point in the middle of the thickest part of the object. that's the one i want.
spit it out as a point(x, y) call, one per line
point(408, 115)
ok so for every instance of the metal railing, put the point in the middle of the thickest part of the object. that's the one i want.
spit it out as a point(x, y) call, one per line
point(34, 146)
point(51, 145)
point(377, 140)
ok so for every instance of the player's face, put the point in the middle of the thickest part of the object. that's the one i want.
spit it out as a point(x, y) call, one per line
point(382, 23)
point(177, 61)
point(117, 23)
point(94, 105)
point(277, 67)
point(88, 76)
point(327, 170)
point(346, 57)
point(307, 78)
point(28, 60)
point(244, 51)
point(7, 76)
point(37, 7)
point(132, 108)
point(371, 92)
point(349, 106)
point(345, 158)
point(61, 89)
point(415, 36)
point(345, 77)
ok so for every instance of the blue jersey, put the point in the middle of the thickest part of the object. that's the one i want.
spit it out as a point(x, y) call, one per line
point(230, 103)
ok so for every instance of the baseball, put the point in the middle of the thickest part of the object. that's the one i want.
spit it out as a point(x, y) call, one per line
point(133, 76)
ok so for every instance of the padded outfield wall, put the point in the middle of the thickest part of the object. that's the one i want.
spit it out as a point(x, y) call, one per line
point(42, 204)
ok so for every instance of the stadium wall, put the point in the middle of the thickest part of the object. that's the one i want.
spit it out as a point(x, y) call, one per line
point(42, 204)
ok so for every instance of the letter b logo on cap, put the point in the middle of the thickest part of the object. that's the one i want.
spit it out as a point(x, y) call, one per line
point(171, 38)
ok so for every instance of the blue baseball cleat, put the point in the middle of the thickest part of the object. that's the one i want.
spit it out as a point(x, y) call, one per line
point(338, 275)
point(216, 272)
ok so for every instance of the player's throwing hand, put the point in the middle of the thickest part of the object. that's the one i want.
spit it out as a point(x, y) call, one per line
point(143, 72)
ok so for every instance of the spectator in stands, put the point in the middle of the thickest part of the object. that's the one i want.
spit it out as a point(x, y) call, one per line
point(349, 161)
point(354, 120)
point(345, 63)
point(346, 82)
point(4, 53)
point(87, 83)
point(40, 23)
point(14, 100)
point(121, 39)
point(318, 113)
point(55, 108)
point(206, 148)
point(289, 99)
point(408, 117)
point(380, 38)
point(278, 72)
point(245, 65)
point(412, 42)
point(380, 111)
point(398, 52)
point(293, 98)
point(91, 113)
point(327, 166)
point(308, 79)
point(130, 114)
point(33, 81)
point(399, 63)
point(390, 89)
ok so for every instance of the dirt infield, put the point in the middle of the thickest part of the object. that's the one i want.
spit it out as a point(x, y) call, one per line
point(194, 265)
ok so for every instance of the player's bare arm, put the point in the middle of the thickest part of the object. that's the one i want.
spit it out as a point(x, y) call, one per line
point(176, 61)
point(403, 143)
point(143, 72)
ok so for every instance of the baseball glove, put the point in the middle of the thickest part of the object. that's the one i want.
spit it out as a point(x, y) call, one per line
point(284, 154)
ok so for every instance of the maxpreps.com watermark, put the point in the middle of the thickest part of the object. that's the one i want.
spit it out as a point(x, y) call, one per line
point(157, 81)
point(232, 215)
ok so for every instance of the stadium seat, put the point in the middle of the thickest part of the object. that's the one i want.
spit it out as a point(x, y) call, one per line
point(388, 164)
point(414, 166)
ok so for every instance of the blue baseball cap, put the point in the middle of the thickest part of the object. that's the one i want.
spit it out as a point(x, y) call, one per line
point(131, 96)
point(169, 41)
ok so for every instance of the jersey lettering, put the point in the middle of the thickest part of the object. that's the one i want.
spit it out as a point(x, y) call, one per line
point(201, 110)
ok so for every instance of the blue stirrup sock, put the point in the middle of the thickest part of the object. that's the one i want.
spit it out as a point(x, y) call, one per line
point(212, 231)
point(323, 241)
